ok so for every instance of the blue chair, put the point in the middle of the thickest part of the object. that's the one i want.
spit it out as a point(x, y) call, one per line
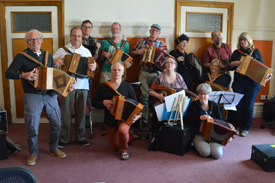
point(16, 174)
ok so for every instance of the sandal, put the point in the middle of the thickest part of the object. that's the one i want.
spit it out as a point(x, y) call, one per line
point(124, 156)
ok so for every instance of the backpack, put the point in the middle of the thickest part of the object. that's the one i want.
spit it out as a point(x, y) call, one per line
point(194, 65)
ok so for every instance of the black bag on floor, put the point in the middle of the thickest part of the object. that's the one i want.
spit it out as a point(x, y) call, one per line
point(269, 110)
point(155, 143)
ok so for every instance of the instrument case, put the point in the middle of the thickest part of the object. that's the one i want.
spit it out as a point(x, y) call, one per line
point(175, 140)
point(264, 156)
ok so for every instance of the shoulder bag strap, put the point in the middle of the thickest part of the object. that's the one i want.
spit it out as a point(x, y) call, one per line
point(112, 87)
point(147, 41)
point(31, 58)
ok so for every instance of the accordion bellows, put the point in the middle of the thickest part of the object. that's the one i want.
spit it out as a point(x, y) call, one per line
point(120, 56)
point(217, 131)
point(53, 79)
point(254, 69)
point(155, 55)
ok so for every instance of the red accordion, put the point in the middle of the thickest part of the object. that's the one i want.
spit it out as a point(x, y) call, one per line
point(155, 55)
point(217, 130)
point(125, 109)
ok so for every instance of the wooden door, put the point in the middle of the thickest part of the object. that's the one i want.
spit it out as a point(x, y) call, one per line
point(16, 43)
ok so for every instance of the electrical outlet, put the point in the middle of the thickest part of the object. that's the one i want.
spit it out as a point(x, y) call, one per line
point(263, 97)
point(268, 97)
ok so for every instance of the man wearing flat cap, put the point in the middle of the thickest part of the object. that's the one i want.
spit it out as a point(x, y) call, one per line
point(217, 50)
point(147, 71)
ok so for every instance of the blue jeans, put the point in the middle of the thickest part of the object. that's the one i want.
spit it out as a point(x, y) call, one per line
point(33, 106)
point(242, 118)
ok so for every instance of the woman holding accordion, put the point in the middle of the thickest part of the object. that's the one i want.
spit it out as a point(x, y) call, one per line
point(166, 83)
point(198, 111)
point(242, 118)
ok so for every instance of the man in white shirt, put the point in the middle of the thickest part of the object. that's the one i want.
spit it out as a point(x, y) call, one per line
point(78, 96)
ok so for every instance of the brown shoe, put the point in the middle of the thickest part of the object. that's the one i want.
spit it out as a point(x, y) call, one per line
point(58, 153)
point(31, 160)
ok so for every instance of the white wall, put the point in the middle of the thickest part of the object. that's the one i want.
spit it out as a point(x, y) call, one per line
point(253, 16)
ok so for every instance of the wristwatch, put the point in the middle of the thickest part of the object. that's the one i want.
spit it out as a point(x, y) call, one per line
point(20, 75)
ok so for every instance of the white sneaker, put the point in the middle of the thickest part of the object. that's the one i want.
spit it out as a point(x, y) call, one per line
point(244, 133)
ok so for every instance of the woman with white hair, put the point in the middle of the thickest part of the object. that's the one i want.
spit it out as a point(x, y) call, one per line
point(242, 118)
point(198, 111)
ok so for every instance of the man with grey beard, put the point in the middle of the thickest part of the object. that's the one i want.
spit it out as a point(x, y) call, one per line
point(107, 48)
point(217, 50)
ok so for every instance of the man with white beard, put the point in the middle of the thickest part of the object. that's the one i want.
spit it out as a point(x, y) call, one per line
point(107, 48)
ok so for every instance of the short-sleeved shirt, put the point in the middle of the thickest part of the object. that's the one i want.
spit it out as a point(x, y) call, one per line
point(108, 47)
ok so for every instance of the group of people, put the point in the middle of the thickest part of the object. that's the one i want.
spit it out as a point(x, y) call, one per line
point(176, 75)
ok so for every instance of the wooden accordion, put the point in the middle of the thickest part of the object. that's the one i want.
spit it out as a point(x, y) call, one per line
point(120, 56)
point(254, 69)
point(77, 65)
point(155, 55)
point(217, 131)
point(125, 109)
point(49, 78)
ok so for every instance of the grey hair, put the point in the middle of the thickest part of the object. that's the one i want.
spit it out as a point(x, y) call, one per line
point(215, 60)
point(76, 27)
point(33, 30)
point(116, 23)
point(117, 63)
point(204, 87)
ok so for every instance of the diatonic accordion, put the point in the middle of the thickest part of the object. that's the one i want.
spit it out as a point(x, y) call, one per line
point(217, 130)
point(254, 69)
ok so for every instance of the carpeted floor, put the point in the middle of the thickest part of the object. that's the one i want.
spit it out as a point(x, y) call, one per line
point(97, 163)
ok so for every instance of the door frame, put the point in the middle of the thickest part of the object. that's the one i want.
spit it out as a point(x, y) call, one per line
point(3, 38)
point(209, 4)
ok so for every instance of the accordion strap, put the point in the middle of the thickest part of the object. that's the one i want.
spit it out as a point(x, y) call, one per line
point(148, 42)
point(111, 86)
point(67, 50)
point(34, 60)
point(116, 45)
point(246, 53)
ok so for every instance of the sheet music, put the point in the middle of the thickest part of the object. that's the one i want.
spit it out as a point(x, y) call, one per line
point(170, 99)
point(229, 99)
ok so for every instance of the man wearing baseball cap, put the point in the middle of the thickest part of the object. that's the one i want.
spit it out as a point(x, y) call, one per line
point(147, 71)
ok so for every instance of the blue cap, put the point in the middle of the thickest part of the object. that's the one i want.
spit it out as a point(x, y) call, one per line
point(156, 26)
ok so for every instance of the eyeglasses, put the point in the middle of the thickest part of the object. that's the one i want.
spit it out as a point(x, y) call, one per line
point(75, 36)
point(203, 93)
point(118, 70)
point(36, 39)
point(154, 30)
point(169, 62)
point(215, 65)
point(87, 27)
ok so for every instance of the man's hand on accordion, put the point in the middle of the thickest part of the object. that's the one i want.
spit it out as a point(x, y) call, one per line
point(128, 65)
point(108, 104)
point(29, 75)
point(59, 62)
point(92, 66)
point(137, 117)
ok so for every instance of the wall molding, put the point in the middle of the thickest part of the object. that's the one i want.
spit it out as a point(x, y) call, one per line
point(123, 24)
point(254, 28)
